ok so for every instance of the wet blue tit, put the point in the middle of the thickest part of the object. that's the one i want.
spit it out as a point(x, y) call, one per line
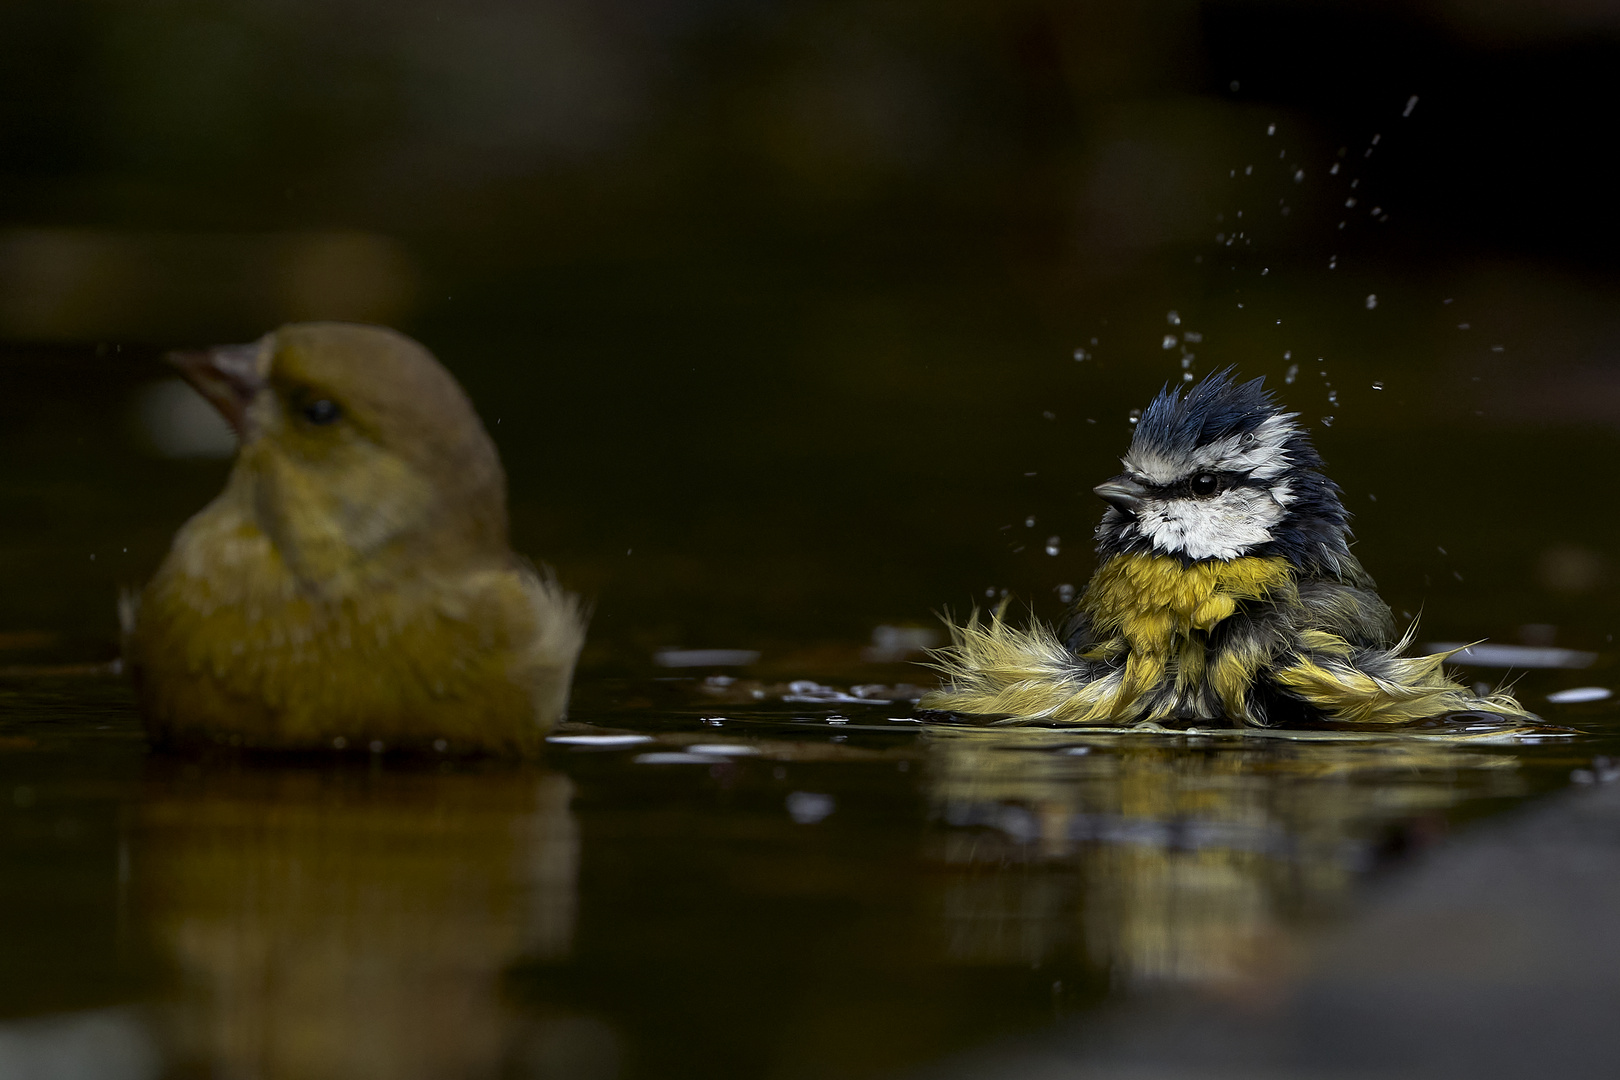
point(1225, 591)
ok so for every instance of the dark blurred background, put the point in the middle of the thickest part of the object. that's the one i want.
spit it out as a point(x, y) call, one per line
point(799, 318)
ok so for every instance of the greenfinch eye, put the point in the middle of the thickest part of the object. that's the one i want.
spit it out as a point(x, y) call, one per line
point(322, 411)
point(1204, 485)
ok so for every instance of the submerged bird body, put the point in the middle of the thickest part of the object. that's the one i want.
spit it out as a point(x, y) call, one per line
point(353, 581)
point(1226, 591)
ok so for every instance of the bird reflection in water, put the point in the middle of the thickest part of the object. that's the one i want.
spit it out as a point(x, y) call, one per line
point(341, 923)
point(1168, 864)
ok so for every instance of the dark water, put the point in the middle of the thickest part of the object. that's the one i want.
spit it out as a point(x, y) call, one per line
point(795, 324)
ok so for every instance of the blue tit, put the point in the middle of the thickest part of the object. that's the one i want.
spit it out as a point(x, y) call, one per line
point(1225, 591)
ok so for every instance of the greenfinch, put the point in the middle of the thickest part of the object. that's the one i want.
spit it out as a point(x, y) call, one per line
point(353, 585)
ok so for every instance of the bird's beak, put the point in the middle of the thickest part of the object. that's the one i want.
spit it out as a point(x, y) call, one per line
point(229, 376)
point(1122, 493)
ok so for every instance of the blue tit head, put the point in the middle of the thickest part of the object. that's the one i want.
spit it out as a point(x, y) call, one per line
point(1223, 472)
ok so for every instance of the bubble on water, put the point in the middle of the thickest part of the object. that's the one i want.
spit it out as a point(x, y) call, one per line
point(1327, 421)
point(1578, 694)
point(1170, 341)
point(1053, 545)
point(1372, 301)
point(1173, 319)
point(1291, 374)
point(809, 807)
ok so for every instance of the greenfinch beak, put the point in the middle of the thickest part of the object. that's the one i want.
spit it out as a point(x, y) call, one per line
point(1122, 493)
point(229, 376)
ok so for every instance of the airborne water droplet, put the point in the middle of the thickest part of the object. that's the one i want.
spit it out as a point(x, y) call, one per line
point(1291, 374)
point(1327, 421)
point(1053, 544)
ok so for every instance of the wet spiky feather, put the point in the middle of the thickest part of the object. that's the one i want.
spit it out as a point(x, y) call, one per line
point(1282, 626)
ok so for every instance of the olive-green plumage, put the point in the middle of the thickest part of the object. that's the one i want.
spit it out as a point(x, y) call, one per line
point(354, 580)
point(1226, 591)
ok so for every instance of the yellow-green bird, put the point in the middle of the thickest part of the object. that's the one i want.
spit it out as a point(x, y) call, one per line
point(353, 584)
point(1225, 591)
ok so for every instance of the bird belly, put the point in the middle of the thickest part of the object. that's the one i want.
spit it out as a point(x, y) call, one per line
point(1163, 612)
point(237, 650)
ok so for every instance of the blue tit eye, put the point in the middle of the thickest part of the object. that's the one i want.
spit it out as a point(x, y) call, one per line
point(322, 411)
point(1204, 485)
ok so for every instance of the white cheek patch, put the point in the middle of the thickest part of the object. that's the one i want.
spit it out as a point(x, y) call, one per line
point(1224, 527)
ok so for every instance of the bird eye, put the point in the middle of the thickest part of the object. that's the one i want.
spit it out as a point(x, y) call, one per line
point(1204, 485)
point(322, 411)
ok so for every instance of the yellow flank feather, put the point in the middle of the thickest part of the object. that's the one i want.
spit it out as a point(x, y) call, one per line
point(1415, 688)
point(1156, 615)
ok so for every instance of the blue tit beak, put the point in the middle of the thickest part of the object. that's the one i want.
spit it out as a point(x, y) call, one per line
point(1122, 493)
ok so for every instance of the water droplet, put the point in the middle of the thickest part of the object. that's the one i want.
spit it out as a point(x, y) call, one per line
point(1299, 175)
point(1333, 262)
point(1065, 593)
point(1134, 415)
point(1188, 377)
point(1081, 354)
point(1327, 421)
point(1271, 129)
point(1372, 301)
point(1333, 397)
point(1053, 544)
point(1378, 385)
point(1351, 201)
point(1173, 318)
point(1411, 103)
point(1187, 362)
point(1169, 341)
point(1192, 336)
point(1335, 170)
point(1029, 522)
point(1248, 170)
point(1291, 374)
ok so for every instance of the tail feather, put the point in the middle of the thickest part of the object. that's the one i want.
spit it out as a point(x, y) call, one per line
point(994, 669)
